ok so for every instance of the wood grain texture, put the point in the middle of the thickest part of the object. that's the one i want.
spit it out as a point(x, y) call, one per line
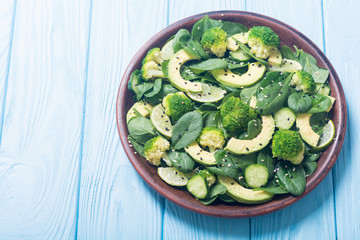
point(115, 203)
point(343, 48)
point(7, 17)
point(39, 152)
point(307, 218)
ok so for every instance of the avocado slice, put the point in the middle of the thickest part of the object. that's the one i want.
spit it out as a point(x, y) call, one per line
point(332, 103)
point(175, 63)
point(275, 58)
point(305, 130)
point(143, 107)
point(238, 146)
point(200, 155)
point(228, 78)
point(286, 66)
point(243, 195)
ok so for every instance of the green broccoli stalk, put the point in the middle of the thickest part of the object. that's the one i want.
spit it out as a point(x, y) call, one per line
point(212, 137)
point(155, 149)
point(210, 178)
point(214, 40)
point(176, 105)
point(287, 145)
point(235, 115)
point(151, 65)
point(303, 81)
point(261, 40)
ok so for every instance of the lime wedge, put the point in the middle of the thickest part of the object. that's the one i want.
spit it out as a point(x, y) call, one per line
point(161, 121)
point(174, 177)
point(209, 94)
point(142, 107)
point(327, 136)
point(287, 66)
point(167, 50)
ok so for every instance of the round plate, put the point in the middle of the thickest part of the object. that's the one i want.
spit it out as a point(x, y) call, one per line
point(288, 36)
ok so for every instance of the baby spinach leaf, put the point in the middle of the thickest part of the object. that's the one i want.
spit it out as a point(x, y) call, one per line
point(156, 88)
point(320, 103)
point(318, 121)
point(265, 158)
point(271, 97)
point(208, 107)
point(232, 28)
point(207, 65)
point(165, 90)
point(272, 187)
point(248, 92)
point(287, 52)
point(234, 65)
point(309, 167)
point(135, 80)
point(214, 191)
point(143, 88)
point(243, 161)
point(299, 102)
point(188, 74)
point(291, 177)
point(254, 128)
point(310, 157)
point(209, 119)
point(137, 146)
point(226, 166)
point(187, 129)
point(308, 62)
point(141, 129)
point(181, 161)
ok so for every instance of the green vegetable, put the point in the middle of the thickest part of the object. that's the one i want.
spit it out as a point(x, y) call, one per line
point(299, 102)
point(291, 177)
point(320, 103)
point(303, 81)
point(287, 144)
point(155, 148)
point(235, 115)
point(177, 104)
point(214, 40)
point(181, 161)
point(212, 137)
point(265, 158)
point(207, 65)
point(156, 88)
point(186, 130)
point(226, 166)
point(261, 40)
point(141, 129)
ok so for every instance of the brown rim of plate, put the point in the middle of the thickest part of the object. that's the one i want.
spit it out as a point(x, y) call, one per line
point(288, 36)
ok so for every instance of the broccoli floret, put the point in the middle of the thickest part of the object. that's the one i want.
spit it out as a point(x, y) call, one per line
point(287, 145)
point(152, 70)
point(155, 148)
point(210, 178)
point(176, 105)
point(235, 115)
point(212, 137)
point(261, 40)
point(153, 55)
point(214, 40)
point(303, 81)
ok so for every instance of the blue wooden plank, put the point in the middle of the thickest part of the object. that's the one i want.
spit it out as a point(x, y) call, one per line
point(40, 146)
point(178, 222)
point(307, 218)
point(114, 202)
point(343, 48)
point(7, 21)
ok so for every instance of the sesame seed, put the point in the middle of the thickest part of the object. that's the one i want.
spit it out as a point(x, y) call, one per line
point(247, 149)
point(232, 183)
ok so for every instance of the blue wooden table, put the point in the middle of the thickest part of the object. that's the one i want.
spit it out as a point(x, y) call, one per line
point(63, 171)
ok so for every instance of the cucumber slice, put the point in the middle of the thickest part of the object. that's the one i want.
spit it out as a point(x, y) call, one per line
point(256, 175)
point(240, 55)
point(173, 177)
point(161, 121)
point(209, 94)
point(197, 186)
point(284, 118)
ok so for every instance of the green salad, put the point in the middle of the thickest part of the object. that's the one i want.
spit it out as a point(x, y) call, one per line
point(228, 114)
